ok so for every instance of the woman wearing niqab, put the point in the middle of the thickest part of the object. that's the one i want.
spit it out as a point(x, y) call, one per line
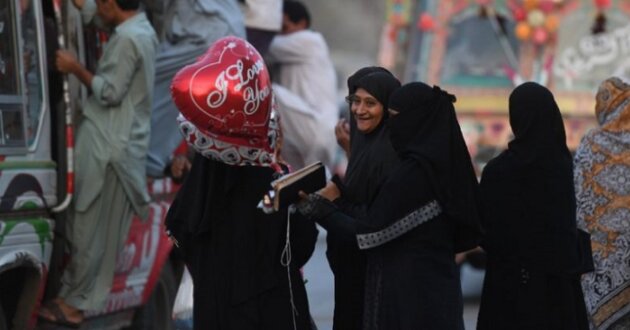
point(425, 212)
point(528, 212)
point(602, 186)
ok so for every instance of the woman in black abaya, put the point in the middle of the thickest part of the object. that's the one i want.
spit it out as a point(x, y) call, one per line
point(425, 212)
point(528, 208)
point(234, 250)
point(372, 158)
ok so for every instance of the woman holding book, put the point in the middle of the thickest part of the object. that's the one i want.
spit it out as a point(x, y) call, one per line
point(424, 213)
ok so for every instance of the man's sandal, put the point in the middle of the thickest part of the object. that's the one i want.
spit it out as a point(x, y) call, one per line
point(60, 318)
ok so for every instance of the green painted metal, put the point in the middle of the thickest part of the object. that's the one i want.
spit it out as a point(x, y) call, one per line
point(29, 205)
point(40, 225)
point(22, 165)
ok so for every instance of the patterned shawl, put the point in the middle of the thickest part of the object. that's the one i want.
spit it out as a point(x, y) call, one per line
point(602, 186)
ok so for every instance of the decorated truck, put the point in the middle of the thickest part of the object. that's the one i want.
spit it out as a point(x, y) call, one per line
point(481, 49)
point(37, 108)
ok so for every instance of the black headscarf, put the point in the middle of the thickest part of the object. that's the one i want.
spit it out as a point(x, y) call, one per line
point(380, 85)
point(528, 193)
point(371, 154)
point(354, 78)
point(426, 130)
point(352, 88)
point(539, 136)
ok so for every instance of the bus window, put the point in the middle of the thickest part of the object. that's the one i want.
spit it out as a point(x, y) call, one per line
point(9, 83)
point(21, 87)
point(11, 99)
point(32, 68)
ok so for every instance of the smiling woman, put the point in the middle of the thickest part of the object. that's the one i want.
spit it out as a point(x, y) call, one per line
point(371, 159)
point(369, 101)
point(367, 111)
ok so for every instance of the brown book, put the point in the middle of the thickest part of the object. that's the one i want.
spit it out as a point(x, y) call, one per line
point(308, 179)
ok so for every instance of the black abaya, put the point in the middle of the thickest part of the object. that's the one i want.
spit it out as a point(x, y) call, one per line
point(412, 281)
point(368, 168)
point(372, 158)
point(528, 207)
point(233, 249)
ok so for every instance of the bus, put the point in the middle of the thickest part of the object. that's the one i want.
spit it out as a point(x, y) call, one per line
point(37, 108)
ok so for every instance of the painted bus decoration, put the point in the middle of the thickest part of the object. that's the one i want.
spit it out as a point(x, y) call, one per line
point(37, 106)
point(481, 49)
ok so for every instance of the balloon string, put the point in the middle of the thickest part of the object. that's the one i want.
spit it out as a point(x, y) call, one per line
point(285, 260)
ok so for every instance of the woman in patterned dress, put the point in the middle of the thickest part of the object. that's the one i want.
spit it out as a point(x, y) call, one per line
point(602, 186)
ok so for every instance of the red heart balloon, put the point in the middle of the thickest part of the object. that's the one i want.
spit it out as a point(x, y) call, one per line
point(227, 93)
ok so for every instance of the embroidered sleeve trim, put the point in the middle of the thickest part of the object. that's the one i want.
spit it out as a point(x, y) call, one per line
point(400, 227)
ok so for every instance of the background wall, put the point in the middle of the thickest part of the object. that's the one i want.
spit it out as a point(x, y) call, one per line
point(352, 29)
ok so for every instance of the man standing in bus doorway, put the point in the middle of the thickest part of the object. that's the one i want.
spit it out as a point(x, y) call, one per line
point(110, 155)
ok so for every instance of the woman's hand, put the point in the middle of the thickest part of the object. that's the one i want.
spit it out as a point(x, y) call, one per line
point(330, 192)
point(342, 133)
point(180, 166)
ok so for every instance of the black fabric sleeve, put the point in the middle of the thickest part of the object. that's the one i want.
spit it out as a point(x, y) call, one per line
point(367, 236)
point(347, 207)
point(344, 226)
point(303, 235)
point(353, 210)
point(404, 203)
point(327, 214)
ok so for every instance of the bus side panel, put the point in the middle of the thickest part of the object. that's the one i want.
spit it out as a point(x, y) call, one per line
point(139, 264)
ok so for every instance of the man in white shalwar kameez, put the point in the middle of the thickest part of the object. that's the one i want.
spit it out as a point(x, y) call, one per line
point(110, 154)
point(302, 143)
point(303, 66)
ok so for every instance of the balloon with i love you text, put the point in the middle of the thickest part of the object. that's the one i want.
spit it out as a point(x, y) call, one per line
point(225, 100)
point(226, 92)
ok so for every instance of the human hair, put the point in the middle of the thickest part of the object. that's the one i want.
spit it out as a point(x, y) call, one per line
point(128, 4)
point(296, 11)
